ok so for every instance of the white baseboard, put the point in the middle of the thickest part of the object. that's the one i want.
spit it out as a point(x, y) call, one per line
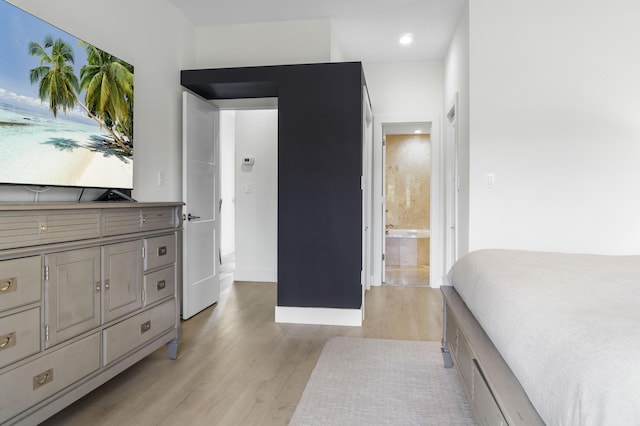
point(319, 316)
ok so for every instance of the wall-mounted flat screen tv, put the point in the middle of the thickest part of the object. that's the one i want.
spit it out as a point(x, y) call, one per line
point(66, 108)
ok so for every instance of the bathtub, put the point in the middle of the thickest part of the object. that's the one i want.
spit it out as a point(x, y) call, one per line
point(407, 247)
point(407, 233)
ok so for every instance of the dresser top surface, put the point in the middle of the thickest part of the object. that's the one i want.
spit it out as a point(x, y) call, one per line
point(86, 205)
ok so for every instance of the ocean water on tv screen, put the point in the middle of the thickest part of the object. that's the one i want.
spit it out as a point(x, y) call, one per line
point(39, 149)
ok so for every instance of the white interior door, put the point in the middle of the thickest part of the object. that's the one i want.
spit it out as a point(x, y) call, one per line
point(383, 204)
point(368, 131)
point(201, 195)
point(366, 184)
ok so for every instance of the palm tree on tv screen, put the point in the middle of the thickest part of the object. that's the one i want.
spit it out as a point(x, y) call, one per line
point(108, 82)
point(59, 85)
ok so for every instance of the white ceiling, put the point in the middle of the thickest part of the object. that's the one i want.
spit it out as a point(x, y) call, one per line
point(406, 128)
point(366, 30)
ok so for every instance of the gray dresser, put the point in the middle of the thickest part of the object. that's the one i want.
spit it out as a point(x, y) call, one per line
point(86, 291)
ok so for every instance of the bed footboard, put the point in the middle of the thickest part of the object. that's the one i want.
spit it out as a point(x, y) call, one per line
point(496, 396)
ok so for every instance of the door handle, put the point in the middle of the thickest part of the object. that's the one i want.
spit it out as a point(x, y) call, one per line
point(192, 217)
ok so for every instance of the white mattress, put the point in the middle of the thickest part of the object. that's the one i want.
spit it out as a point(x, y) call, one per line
point(568, 325)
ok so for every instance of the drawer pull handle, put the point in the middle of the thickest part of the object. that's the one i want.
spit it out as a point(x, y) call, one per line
point(161, 285)
point(98, 286)
point(106, 284)
point(42, 378)
point(162, 250)
point(8, 340)
point(145, 326)
point(8, 285)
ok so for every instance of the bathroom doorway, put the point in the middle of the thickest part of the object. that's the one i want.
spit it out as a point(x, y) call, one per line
point(407, 168)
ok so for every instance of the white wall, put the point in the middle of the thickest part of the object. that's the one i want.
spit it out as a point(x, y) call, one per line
point(228, 182)
point(158, 43)
point(336, 51)
point(270, 43)
point(456, 82)
point(405, 89)
point(555, 95)
point(406, 92)
point(257, 196)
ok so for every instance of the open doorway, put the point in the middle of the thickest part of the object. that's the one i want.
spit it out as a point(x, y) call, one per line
point(407, 201)
point(228, 195)
point(249, 188)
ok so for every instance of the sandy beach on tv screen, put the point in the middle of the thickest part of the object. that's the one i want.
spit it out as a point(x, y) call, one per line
point(82, 168)
point(59, 152)
point(103, 169)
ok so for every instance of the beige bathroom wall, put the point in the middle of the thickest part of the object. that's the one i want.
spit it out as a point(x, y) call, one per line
point(408, 181)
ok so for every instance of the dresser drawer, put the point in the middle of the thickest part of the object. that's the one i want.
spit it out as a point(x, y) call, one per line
point(28, 228)
point(485, 405)
point(159, 251)
point(59, 226)
point(159, 284)
point(135, 331)
point(18, 229)
point(19, 336)
point(29, 384)
point(117, 221)
point(158, 218)
point(20, 282)
point(465, 359)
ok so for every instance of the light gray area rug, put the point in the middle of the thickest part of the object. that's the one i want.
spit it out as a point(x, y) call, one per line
point(382, 382)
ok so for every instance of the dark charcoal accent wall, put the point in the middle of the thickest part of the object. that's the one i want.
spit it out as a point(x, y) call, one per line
point(319, 169)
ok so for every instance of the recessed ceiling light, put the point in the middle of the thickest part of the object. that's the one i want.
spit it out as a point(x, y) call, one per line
point(417, 132)
point(406, 39)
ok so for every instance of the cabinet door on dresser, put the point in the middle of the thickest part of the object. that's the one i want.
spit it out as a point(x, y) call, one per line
point(122, 274)
point(72, 283)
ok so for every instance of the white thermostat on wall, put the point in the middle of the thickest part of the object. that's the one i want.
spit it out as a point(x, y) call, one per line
point(248, 161)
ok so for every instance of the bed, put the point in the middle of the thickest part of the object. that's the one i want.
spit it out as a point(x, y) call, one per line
point(546, 338)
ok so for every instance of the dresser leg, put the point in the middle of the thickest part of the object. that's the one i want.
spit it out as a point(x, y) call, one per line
point(172, 347)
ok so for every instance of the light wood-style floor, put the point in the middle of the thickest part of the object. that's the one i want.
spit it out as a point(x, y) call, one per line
point(407, 275)
point(238, 367)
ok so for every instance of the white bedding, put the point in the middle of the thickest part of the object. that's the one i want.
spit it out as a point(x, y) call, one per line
point(568, 325)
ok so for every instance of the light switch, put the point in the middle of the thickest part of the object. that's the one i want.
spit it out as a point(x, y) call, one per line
point(491, 179)
point(248, 188)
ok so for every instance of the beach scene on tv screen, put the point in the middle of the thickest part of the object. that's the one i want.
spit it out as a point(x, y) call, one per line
point(66, 108)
